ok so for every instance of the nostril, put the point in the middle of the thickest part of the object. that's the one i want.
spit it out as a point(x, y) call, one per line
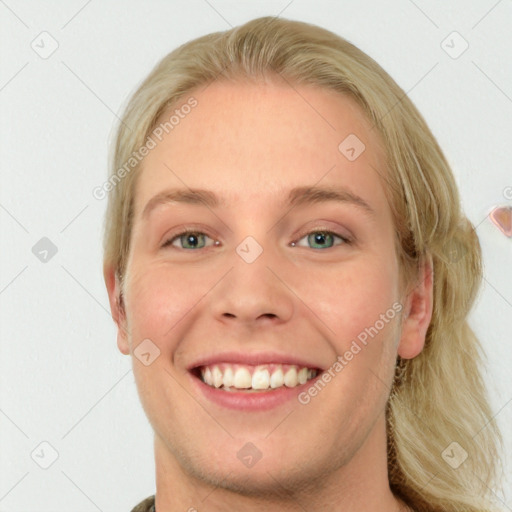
point(269, 315)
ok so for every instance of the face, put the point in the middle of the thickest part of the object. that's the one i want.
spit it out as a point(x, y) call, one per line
point(285, 301)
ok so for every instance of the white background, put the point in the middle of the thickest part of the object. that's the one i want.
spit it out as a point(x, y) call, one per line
point(62, 379)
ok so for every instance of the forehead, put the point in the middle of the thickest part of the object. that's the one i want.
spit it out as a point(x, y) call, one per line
point(255, 142)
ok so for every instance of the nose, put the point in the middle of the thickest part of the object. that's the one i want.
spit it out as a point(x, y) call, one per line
point(254, 292)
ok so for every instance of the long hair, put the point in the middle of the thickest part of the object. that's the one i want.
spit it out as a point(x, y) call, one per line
point(442, 440)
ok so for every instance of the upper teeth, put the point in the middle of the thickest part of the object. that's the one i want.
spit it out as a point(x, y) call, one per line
point(255, 377)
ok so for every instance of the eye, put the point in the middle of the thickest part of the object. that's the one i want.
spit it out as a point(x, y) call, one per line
point(322, 239)
point(189, 240)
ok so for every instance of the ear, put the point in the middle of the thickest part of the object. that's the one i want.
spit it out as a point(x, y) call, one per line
point(117, 308)
point(418, 311)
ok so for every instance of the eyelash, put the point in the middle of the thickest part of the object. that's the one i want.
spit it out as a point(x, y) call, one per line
point(187, 231)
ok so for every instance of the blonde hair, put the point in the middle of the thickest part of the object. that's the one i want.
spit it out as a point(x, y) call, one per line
point(438, 398)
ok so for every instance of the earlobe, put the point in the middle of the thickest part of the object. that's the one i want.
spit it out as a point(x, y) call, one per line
point(117, 308)
point(418, 311)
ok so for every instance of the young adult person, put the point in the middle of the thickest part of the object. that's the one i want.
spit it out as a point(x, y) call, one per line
point(289, 267)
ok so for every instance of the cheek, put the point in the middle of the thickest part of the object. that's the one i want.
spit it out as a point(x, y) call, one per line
point(361, 310)
point(157, 299)
point(354, 297)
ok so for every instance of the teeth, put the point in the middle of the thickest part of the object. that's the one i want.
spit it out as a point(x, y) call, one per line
point(290, 378)
point(217, 377)
point(242, 379)
point(261, 378)
point(277, 379)
point(228, 377)
point(207, 376)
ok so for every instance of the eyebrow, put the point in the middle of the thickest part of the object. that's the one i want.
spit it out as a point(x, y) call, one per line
point(297, 196)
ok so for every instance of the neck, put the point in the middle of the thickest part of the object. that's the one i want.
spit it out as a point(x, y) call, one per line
point(359, 485)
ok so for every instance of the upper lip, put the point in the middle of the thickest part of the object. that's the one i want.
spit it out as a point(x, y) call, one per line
point(253, 359)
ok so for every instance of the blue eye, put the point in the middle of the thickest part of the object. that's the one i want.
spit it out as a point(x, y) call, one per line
point(196, 240)
point(323, 239)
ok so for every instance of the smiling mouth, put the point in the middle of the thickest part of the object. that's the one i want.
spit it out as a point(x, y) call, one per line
point(252, 379)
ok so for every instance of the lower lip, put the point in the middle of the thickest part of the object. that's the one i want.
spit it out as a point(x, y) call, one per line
point(253, 401)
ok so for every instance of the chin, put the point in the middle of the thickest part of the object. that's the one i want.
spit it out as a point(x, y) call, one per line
point(262, 479)
point(255, 468)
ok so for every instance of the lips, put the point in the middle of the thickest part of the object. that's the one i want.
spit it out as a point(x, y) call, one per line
point(252, 381)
